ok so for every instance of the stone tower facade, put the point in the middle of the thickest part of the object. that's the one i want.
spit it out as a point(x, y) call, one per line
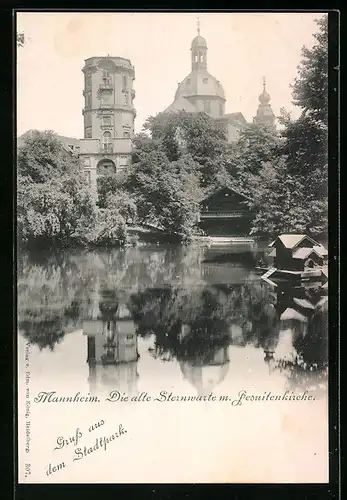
point(109, 116)
point(265, 115)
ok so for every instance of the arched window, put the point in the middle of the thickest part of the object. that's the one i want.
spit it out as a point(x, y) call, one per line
point(125, 82)
point(107, 142)
point(207, 106)
point(106, 76)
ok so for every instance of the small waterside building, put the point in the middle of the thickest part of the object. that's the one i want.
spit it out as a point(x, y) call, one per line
point(225, 212)
point(297, 252)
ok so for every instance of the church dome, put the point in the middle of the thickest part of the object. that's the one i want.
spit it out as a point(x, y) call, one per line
point(199, 41)
point(204, 378)
point(200, 83)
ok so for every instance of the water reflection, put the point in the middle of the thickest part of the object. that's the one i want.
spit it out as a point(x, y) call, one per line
point(112, 346)
point(193, 312)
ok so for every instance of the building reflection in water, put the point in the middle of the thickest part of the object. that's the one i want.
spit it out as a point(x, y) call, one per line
point(206, 370)
point(195, 327)
point(112, 347)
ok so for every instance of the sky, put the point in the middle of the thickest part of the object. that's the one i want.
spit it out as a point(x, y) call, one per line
point(242, 48)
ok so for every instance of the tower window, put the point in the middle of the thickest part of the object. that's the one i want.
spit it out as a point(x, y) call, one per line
point(106, 121)
point(106, 76)
point(106, 138)
point(207, 106)
point(221, 109)
point(125, 82)
point(88, 133)
point(107, 142)
point(196, 58)
point(205, 80)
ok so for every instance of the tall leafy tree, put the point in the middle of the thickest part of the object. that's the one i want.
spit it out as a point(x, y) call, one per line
point(255, 146)
point(194, 134)
point(280, 204)
point(42, 157)
point(291, 194)
point(305, 141)
point(166, 192)
point(310, 89)
point(53, 201)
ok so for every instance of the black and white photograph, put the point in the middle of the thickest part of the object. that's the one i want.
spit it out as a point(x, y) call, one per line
point(172, 247)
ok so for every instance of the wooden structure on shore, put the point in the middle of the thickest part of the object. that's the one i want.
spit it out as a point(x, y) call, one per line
point(225, 213)
point(297, 257)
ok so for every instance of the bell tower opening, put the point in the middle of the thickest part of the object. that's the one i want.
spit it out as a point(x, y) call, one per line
point(199, 51)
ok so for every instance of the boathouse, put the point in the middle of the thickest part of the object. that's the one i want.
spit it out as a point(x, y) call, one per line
point(297, 252)
point(225, 213)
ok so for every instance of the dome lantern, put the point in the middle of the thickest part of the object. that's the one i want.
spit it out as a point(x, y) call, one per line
point(199, 51)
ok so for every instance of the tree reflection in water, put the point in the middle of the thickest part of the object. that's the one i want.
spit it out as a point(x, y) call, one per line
point(48, 302)
point(192, 321)
point(193, 325)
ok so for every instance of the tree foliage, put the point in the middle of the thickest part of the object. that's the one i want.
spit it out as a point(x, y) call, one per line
point(291, 194)
point(194, 134)
point(281, 206)
point(310, 89)
point(54, 211)
point(255, 147)
point(53, 201)
point(109, 184)
point(305, 141)
point(167, 193)
point(43, 157)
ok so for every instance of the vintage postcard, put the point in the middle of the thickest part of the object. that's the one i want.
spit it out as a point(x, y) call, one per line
point(172, 260)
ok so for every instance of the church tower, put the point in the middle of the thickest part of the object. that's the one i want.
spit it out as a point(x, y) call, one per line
point(199, 91)
point(265, 115)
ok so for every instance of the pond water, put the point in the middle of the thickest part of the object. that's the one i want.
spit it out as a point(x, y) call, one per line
point(194, 313)
point(187, 321)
